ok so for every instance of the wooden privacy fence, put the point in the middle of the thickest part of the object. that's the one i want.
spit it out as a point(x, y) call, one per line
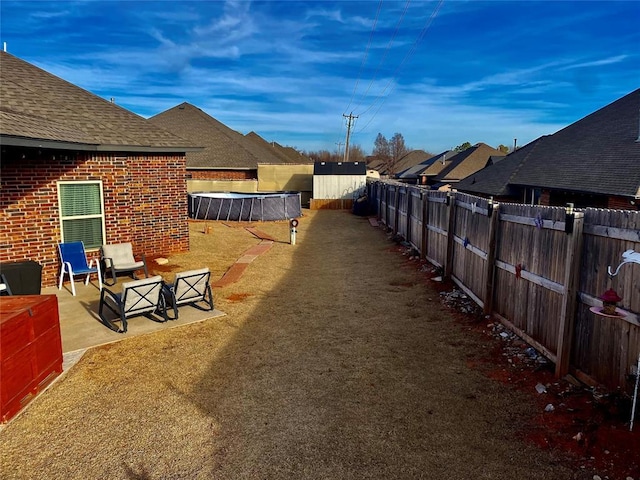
point(536, 269)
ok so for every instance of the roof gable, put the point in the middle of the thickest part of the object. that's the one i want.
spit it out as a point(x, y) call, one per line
point(40, 108)
point(599, 153)
point(467, 162)
point(223, 147)
point(418, 169)
point(284, 154)
point(410, 159)
point(495, 178)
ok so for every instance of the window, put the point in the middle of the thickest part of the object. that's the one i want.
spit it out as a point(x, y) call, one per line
point(82, 212)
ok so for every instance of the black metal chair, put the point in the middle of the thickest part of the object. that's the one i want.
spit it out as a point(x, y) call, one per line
point(139, 297)
point(191, 287)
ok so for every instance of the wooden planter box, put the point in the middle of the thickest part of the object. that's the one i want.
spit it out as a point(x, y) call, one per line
point(30, 349)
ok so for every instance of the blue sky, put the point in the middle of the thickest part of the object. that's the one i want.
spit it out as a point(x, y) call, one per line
point(440, 73)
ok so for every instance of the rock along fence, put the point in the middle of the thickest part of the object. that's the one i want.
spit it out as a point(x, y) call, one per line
point(539, 270)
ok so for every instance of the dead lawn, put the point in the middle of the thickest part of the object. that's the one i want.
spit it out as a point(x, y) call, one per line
point(334, 361)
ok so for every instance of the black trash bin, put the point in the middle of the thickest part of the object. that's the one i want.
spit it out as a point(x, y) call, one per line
point(23, 278)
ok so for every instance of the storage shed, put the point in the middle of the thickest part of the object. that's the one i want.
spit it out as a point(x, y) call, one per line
point(336, 184)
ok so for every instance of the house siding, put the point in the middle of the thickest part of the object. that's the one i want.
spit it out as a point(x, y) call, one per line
point(144, 203)
point(223, 174)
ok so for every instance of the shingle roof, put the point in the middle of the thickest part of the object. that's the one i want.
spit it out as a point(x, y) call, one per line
point(285, 154)
point(467, 162)
point(40, 109)
point(410, 159)
point(598, 154)
point(494, 179)
point(223, 147)
point(416, 170)
point(375, 163)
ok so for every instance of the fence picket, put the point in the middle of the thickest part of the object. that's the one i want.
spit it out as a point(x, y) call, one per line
point(526, 277)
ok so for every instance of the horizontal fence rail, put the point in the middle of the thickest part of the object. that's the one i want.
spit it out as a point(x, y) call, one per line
point(537, 269)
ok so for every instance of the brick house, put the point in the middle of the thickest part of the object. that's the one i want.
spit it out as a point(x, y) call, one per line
point(78, 167)
point(594, 162)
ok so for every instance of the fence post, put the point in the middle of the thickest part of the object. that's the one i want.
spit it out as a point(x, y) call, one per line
point(448, 265)
point(380, 191)
point(409, 202)
point(424, 233)
point(490, 272)
point(396, 203)
point(570, 297)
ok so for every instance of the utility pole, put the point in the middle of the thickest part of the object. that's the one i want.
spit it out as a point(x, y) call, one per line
point(339, 144)
point(350, 120)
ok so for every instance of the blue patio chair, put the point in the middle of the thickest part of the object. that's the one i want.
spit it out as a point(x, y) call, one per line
point(74, 262)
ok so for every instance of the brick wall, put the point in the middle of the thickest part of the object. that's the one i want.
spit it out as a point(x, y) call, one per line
point(144, 196)
point(621, 203)
point(223, 174)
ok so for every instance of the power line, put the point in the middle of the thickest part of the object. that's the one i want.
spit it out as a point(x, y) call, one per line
point(386, 51)
point(408, 55)
point(366, 54)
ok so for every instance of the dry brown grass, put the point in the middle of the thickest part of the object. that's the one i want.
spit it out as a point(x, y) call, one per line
point(337, 362)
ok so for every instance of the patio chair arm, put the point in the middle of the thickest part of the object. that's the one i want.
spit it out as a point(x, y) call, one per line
point(106, 291)
point(107, 265)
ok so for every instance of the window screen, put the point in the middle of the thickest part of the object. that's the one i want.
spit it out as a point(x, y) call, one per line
point(81, 212)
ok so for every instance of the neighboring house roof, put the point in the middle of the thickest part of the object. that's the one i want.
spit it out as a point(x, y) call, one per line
point(410, 159)
point(285, 154)
point(599, 154)
point(494, 179)
point(375, 163)
point(416, 170)
point(224, 148)
point(39, 109)
point(465, 163)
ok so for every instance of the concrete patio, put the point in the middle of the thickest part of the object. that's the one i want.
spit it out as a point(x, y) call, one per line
point(81, 327)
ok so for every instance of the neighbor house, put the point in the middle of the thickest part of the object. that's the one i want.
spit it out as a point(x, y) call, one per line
point(449, 170)
point(413, 174)
point(594, 162)
point(233, 162)
point(78, 167)
point(227, 155)
point(393, 169)
point(286, 154)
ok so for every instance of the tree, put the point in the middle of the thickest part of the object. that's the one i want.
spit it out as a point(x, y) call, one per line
point(503, 148)
point(356, 153)
point(381, 147)
point(324, 156)
point(462, 147)
point(397, 149)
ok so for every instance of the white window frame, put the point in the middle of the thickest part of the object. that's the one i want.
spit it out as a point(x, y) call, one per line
point(100, 215)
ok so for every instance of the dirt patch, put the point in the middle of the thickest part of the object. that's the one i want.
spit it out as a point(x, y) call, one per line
point(238, 297)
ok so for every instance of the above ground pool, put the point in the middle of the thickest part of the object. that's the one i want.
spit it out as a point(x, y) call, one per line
point(244, 206)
